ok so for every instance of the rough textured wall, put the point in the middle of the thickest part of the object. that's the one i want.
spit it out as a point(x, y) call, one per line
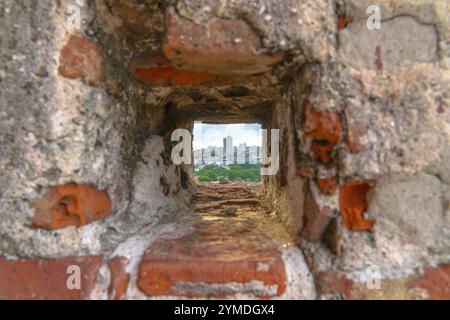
point(86, 117)
point(55, 130)
point(382, 167)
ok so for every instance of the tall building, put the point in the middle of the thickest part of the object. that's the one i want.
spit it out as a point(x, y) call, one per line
point(247, 155)
point(241, 153)
point(228, 151)
point(198, 157)
point(253, 154)
point(258, 154)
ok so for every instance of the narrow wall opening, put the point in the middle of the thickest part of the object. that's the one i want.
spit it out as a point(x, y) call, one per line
point(226, 153)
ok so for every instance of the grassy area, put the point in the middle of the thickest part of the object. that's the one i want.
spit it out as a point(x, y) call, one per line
point(235, 172)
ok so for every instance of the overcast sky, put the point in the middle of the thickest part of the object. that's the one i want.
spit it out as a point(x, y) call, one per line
point(212, 134)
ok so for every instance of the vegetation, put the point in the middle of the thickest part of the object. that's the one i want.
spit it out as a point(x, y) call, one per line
point(235, 172)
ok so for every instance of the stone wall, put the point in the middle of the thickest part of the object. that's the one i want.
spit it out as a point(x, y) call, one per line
point(86, 117)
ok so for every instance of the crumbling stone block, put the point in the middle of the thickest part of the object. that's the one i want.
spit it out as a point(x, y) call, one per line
point(391, 46)
point(410, 206)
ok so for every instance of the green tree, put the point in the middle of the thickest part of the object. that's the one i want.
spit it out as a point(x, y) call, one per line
point(235, 172)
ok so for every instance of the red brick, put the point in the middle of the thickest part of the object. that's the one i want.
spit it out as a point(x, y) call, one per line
point(157, 70)
point(324, 128)
point(353, 204)
point(217, 253)
point(436, 282)
point(328, 186)
point(305, 171)
point(82, 59)
point(322, 125)
point(433, 283)
point(330, 282)
point(46, 279)
point(323, 152)
point(222, 46)
point(70, 205)
point(343, 22)
point(119, 277)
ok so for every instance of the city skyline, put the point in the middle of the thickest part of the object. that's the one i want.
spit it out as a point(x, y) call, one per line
point(227, 154)
point(211, 135)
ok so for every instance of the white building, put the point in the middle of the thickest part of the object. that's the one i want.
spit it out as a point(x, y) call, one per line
point(228, 151)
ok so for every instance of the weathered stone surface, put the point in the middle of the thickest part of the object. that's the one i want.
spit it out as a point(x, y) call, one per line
point(397, 120)
point(441, 166)
point(355, 140)
point(70, 205)
point(47, 279)
point(390, 47)
point(409, 206)
point(376, 113)
point(286, 25)
point(54, 131)
point(221, 46)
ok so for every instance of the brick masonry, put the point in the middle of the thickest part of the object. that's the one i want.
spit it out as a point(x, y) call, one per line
point(431, 283)
point(47, 279)
point(157, 70)
point(216, 260)
point(86, 117)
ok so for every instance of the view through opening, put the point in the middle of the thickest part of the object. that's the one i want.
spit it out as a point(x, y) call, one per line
point(227, 152)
